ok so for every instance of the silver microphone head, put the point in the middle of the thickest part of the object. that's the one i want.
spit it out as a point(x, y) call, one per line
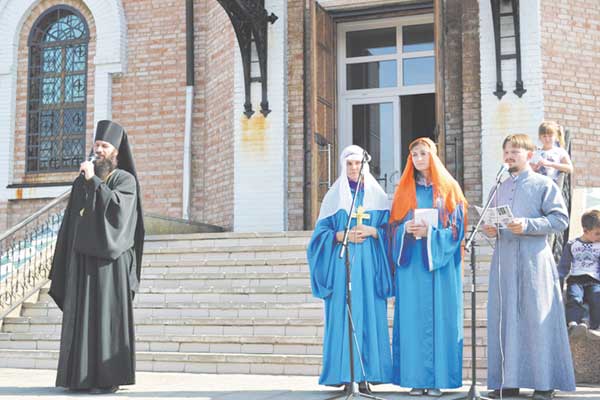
point(92, 157)
point(503, 168)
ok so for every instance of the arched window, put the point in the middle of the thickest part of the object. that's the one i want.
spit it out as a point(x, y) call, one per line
point(56, 101)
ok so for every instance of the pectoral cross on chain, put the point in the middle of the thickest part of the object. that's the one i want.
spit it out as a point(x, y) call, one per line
point(360, 215)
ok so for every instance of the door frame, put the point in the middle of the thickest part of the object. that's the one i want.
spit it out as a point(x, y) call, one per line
point(347, 98)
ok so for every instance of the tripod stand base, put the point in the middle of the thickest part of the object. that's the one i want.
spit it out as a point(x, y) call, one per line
point(354, 393)
point(472, 395)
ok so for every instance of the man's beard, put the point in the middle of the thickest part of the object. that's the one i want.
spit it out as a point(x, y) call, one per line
point(104, 166)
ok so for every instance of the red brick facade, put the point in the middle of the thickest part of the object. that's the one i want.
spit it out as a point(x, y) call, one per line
point(149, 100)
point(570, 57)
point(212, 140)
point(295, 115)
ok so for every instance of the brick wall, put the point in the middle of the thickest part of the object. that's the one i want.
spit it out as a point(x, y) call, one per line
point(570, 31)
point(18, 210)
point(19, 175)
point(295, 143)
point(471, 102)
point(462, 99)
point(149, 100)
point(199, 116)
point(453, 83)
point(213, 118)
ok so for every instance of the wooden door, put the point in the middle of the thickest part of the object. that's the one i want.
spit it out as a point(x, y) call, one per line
point(322, 122)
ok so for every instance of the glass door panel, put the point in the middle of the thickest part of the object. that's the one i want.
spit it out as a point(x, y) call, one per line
point(373, 129)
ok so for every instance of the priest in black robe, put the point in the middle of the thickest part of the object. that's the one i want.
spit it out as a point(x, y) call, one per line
point(96, 268)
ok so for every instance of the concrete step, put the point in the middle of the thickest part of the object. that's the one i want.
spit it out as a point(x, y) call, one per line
point(293, 264)
point(199, 326)
point(201, 362)
point(169, 254)
point(264, 344)
point(313, 309)
point(184, 362)
point(227, 239)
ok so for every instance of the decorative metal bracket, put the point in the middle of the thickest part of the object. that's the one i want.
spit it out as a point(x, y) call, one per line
point(250, 22)
point(500, 55)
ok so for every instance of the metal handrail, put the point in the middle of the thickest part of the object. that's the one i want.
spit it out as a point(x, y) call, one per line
point(26, 252)
point(35, 215)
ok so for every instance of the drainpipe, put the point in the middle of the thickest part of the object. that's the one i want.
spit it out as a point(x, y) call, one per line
point(189, 104)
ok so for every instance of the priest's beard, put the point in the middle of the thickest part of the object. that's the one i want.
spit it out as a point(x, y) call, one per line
point(104, 166)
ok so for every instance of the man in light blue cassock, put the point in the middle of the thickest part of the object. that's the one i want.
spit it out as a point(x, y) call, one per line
point(370, 276)
point(528, 345)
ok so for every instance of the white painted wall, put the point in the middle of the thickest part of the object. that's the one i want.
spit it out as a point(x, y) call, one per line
point(111, 51)
point(260, 156)
point(511, 114)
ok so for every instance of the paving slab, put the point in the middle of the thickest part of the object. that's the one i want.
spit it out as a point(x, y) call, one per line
point(26, 384)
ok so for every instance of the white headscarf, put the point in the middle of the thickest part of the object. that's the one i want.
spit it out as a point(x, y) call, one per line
point(339, 196)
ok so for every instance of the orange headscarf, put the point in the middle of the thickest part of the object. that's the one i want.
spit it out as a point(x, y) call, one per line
point(444, 185)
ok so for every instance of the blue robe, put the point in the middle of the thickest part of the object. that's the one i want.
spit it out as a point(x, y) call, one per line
point(527, 331)
point(428, 315)
point(371, 286)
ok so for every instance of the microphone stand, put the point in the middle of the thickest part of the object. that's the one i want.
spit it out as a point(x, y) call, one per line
point(353, 392)
point(470, 247)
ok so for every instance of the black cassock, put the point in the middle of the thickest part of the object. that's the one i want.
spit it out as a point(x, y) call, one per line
point(95, 273)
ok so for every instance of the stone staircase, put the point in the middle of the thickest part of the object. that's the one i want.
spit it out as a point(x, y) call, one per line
point(217, 303)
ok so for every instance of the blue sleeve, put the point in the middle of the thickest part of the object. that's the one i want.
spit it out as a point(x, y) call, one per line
point(443, 244)
point(564, 266)
point(397, 248)
point(555, 218)
point(321, 257)
point(383, 273)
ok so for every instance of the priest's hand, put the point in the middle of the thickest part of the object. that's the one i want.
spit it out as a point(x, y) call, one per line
point(418, 229)
point(490, 230)
point(517, 226)
point(87, 169)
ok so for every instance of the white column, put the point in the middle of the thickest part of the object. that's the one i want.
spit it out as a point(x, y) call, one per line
point(260, 151)
point(511, 114)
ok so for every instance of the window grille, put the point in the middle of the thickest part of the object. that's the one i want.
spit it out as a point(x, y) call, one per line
point(57, 91)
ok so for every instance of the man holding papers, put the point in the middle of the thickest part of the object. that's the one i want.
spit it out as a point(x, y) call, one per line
point(427, 226)
point(528, 345)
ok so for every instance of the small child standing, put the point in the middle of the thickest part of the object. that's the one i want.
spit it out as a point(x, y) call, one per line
point(581, 262)
point(551, 159)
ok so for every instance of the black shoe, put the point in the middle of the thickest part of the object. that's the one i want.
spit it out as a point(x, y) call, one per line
point(495, 394)
point(78, 390)
point(104, 390)
point(543, 394)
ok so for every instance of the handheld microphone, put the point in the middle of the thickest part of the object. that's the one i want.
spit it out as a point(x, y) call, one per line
point(91, 158)
point(366, 156)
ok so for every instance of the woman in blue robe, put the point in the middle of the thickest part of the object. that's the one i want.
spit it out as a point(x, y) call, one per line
point(427, 263)
point(370, 276)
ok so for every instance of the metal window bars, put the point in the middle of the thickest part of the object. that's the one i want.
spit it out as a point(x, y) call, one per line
point(26, 252)
point(57, 91)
